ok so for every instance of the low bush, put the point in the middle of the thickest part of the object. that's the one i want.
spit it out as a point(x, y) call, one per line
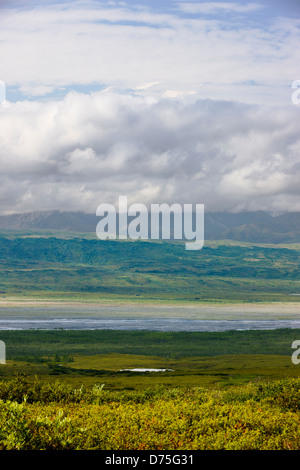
point(40, 416)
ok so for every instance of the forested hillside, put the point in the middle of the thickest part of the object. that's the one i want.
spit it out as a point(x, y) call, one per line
point(148, 269)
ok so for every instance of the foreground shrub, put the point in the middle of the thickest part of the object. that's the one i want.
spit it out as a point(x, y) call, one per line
point(254, 417)
point(22, 388)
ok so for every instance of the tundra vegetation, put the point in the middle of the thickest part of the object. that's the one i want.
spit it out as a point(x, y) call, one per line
point(67, 390)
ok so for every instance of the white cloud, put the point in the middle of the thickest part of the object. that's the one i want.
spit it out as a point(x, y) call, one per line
point(83, 150)
point(177, 93)
point(36, 90)
point(213, 7)
point(126, 46)
point(145, 86)
point(151, 133)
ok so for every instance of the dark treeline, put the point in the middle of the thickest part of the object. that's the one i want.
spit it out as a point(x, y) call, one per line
point(66, 343)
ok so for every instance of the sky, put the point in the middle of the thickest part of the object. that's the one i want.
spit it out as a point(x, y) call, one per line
point(161, 101)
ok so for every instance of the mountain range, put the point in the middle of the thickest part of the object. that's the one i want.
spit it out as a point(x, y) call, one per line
point(253, 227)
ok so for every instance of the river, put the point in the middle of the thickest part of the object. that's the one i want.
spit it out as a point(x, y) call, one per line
point(24, 315)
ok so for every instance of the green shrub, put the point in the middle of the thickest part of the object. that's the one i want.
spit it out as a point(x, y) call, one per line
point(41, 416)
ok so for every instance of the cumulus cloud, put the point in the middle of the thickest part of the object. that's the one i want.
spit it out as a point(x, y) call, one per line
point(194, 105)
point(84, 150)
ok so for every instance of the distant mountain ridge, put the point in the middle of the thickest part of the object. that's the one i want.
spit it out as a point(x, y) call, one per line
point(253, 227)
point(50, 220)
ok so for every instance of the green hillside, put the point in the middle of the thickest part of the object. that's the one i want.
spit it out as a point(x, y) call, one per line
point(77, 265)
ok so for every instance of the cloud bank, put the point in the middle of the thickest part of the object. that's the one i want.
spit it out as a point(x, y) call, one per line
point(87, 149)
point(185, 102)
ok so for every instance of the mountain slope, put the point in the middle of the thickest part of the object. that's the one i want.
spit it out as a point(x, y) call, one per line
point(254, 227)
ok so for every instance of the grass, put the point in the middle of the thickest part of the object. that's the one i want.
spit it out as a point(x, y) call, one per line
point(36, 343)
point(196, 359)
point(215, 371)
